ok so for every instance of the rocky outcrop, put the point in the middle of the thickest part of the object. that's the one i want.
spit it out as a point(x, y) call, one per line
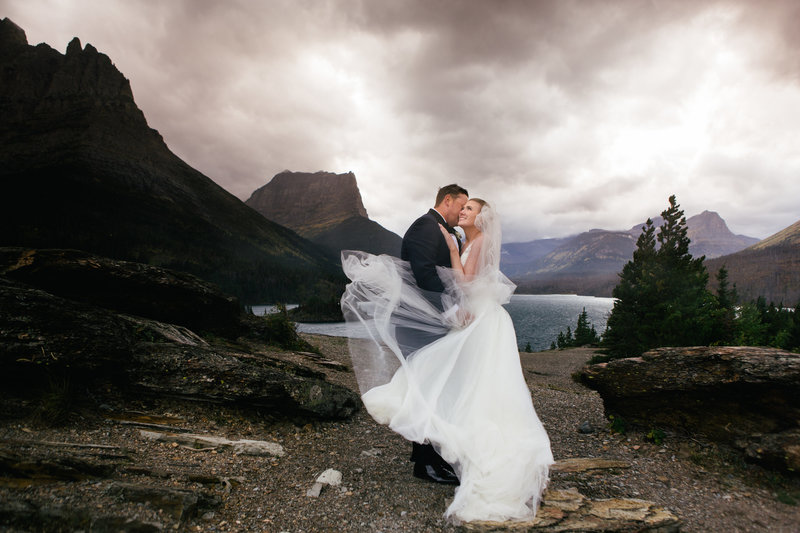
point(308, 202)
point(80, 168)
point(126, 287)
point(569, 510)
point(746, 397)
point(131, 326)
point(325, 208)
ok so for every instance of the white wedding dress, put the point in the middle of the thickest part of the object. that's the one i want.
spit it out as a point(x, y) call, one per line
point(464, 393)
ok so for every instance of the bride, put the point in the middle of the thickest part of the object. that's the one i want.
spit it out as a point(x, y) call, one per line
point(465, 392)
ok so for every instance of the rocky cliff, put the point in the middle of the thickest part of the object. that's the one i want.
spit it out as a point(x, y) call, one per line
point(325, 208)
point(80, 168)
point(709, 235)
point(308, 202)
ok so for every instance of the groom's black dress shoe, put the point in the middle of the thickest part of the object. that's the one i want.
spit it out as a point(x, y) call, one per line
point(437, 473)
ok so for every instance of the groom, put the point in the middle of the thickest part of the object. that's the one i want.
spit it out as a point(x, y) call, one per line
point(424, 248)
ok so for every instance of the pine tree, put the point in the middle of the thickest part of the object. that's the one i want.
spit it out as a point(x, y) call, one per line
point(726, 301)
point(688, 316)
point(561, 341)
point(584, 334)
point(661, 299)
point(628, 327)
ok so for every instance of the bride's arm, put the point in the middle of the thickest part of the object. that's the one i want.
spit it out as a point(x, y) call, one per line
point(469, 269)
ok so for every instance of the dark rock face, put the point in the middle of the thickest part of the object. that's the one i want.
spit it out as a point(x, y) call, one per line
point(325, 208)
point(747, 397)
point(45, 337)
point(81, 169)
point(42, 334)
point(125, 287)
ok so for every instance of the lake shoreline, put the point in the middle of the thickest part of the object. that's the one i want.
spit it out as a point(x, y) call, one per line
point(537, 318)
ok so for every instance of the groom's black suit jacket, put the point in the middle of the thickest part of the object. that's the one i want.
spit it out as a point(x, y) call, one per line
point(425, 248)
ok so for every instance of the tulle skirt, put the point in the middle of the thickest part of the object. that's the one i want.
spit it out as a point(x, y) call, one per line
point(464, 393)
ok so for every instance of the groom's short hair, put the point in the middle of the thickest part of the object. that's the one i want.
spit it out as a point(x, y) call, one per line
point(453, 190)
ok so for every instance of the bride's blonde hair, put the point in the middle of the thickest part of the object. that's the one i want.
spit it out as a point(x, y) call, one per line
point(483, 203)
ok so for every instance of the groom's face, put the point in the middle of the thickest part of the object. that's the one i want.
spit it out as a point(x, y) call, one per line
point(453, 206)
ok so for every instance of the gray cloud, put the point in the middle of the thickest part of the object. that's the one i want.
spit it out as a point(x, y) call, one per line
point(568, 115)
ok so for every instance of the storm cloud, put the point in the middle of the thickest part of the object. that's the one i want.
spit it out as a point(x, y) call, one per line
point(567, 115)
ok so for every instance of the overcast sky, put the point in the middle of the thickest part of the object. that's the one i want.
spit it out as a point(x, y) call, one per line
point(567, 115)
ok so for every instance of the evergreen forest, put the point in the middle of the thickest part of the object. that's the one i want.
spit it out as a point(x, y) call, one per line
point(663, 299)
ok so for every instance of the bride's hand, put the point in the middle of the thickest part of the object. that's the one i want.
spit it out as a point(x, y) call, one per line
point(449, 239)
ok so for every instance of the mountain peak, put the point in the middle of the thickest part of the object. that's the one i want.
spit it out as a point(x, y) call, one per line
point(306, 201)
point(74, 46)
point(82, 170)
point(11, 35)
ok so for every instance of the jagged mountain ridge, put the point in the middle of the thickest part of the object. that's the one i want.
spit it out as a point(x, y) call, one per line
point(325, 208)
point(80, 168)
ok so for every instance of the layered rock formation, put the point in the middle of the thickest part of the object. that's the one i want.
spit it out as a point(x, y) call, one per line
point(125, 287)
point(325, 208)
point(88, 344)
point(307, 202)
point(746, 397)
point(80, 168)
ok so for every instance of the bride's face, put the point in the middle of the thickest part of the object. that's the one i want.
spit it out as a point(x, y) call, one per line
point(466, 217)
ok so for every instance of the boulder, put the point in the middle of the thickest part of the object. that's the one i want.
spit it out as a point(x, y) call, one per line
point(126, 287)
point(746, 397)
point(47, 340)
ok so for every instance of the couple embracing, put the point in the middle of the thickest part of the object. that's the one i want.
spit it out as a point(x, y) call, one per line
point(441, 365)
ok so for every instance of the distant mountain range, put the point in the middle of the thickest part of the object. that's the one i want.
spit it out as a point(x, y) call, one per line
point(325, 208)
point(80, 168)
point(588, 263)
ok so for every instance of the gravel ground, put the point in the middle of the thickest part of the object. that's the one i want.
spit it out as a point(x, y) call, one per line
point(709, 489)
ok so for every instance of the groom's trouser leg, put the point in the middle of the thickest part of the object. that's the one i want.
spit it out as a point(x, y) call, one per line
point(411, 340)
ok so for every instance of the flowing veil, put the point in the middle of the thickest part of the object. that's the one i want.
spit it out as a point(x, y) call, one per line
point(383, 297)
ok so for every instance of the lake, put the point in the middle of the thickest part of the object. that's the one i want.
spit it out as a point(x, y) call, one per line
point(537, 317)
